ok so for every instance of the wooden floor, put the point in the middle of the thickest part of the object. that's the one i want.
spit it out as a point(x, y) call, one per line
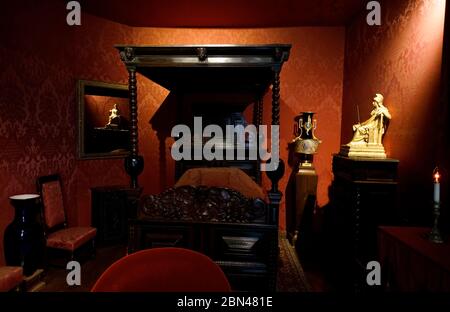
point(55, 277)
point(316, 279)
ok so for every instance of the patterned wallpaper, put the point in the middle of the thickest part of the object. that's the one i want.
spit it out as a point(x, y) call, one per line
point(42, 58)
point(402, 60)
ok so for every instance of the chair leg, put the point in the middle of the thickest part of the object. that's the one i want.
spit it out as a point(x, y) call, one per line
point(94, 251)
point(21, 287)
point(46, 259)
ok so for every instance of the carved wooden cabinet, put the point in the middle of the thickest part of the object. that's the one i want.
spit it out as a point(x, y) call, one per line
point(112, 206)
point(363, 197)
point(246, 253)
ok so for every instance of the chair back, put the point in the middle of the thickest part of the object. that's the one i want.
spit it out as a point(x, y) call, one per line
point(165, 269)
point(53, 213)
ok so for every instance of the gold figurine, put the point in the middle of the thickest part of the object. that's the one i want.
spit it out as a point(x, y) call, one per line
point(114, 118)
point(368, 135)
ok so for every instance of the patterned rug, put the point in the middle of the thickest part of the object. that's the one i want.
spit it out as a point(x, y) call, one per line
point(290, 277)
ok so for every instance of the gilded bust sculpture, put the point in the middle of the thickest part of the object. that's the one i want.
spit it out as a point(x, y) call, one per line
point(368, 135)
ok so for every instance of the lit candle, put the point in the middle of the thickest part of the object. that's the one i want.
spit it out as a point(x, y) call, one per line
point(437, 185)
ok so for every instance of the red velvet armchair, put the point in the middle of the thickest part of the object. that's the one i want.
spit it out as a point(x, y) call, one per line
point(58, 235)
point(163, 270)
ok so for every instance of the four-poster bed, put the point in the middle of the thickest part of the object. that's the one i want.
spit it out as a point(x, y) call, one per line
point(216, 207)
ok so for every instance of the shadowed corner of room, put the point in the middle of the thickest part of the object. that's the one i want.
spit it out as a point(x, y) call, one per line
point(162, 122)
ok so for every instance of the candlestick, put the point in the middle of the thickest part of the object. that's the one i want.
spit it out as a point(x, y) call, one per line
point(435, 235)
point(437, 186)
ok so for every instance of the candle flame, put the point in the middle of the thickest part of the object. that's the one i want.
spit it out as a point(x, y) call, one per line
point(436, 175)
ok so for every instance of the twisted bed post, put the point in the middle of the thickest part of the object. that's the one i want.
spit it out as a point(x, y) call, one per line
point(134, 163)
point(257, 121)
point(274, 194)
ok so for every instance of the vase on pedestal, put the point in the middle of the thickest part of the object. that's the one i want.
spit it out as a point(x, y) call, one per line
point(306, 143)
point(305, 146)
point(24, 240)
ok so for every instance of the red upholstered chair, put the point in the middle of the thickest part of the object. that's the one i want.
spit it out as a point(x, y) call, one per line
point(58, 235)
point(163, 270)
point(10, 277)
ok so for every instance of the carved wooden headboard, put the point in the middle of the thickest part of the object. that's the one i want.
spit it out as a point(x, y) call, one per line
point(232, 178)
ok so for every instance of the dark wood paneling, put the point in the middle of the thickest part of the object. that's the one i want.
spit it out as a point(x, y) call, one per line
point(111, 208)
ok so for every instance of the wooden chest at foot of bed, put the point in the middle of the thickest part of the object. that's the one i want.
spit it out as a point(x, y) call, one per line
point(247, 253)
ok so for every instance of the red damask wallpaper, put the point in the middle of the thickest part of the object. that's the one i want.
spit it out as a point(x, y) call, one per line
point(402, 60)
point(42, 58)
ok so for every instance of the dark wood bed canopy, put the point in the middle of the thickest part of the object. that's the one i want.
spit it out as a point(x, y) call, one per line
point(222, 69)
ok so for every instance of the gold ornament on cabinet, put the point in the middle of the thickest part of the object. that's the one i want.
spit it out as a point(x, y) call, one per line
point(368, 135)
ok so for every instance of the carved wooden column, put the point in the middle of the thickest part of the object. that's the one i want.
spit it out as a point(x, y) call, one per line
point(134, 163)
point(257, 121)
point(276, 98)
point(274, 194)
point(258, 111)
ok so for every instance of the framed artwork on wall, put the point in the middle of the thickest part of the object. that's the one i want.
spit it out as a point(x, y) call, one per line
point(103, 120)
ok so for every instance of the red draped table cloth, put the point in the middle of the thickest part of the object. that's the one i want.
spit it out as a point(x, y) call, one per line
point(410, 262)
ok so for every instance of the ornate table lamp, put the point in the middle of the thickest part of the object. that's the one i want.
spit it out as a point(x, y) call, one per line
point(305, 146)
